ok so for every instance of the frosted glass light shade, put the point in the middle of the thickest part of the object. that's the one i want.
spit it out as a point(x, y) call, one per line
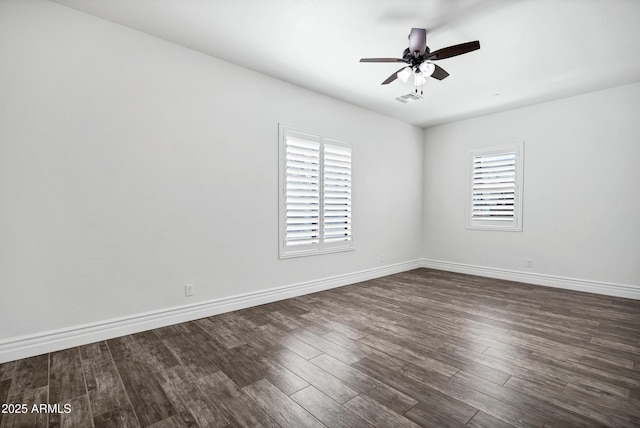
point(420, 79)
point(427, 68)
point(404, 74)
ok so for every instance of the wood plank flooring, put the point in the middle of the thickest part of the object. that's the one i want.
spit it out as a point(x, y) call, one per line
point(421, 348)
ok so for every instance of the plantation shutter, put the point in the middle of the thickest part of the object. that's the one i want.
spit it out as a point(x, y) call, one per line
point(494, 187)
point(302, 192)
point(336, 194)
point(315, 202)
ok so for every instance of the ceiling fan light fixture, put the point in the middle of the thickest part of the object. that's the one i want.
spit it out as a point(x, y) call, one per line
point(427, 68)
point(420, 78)
point(404, 74)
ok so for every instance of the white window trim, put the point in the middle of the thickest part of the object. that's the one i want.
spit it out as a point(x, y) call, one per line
point(285, 131)
point(514, 225)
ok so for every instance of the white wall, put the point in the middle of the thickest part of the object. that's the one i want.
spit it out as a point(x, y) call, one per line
point(581, 189)
point(130, 166)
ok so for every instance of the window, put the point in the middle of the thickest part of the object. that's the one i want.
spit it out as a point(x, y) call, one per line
point(315, 194)
point(496, 188)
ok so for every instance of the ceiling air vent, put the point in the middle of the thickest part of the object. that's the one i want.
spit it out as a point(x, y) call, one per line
point(409, 97)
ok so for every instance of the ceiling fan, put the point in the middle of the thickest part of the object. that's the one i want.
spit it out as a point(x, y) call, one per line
point(419, 58)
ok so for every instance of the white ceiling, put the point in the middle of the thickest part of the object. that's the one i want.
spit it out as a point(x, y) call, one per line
point(531, 50)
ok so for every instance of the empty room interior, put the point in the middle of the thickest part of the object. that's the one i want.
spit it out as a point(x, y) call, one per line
point(306, 214)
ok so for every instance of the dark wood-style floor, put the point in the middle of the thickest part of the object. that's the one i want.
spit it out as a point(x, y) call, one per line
point(420, 348)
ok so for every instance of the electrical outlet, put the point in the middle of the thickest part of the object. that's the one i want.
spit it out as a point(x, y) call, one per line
point(529, 263)
point(188, 290)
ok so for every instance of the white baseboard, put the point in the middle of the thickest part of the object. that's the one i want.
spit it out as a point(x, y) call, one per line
point(606, 288)
point(55, 340)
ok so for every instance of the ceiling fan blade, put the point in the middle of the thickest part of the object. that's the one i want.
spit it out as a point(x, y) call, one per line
point(382, 60)
point(454, 50)
point(439, 73)
point(393, 77)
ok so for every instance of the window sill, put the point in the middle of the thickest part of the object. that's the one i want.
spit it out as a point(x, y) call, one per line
point(495, 228)
point(305, 253)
